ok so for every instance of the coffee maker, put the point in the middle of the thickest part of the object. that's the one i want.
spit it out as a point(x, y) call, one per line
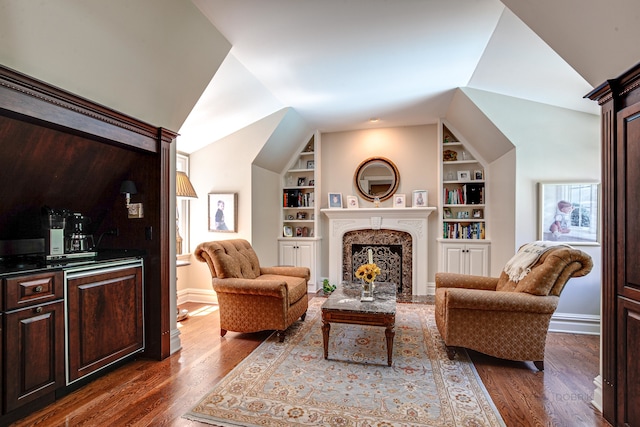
point(77, 238)
point(66, 234)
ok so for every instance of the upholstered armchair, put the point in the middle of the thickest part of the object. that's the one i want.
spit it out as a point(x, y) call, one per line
point(253, 298)
point(505, 318)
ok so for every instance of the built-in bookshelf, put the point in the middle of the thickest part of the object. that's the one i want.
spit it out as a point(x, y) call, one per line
point(298, 195)
point(298, 241)
point(463, 190)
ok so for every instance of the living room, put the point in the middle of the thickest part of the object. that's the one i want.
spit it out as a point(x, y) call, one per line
point(112, 72)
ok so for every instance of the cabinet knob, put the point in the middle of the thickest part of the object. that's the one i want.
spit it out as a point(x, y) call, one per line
point(37, 289)
point(39, 310)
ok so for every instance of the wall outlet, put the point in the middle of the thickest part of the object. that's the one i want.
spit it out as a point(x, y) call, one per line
point(136, 211)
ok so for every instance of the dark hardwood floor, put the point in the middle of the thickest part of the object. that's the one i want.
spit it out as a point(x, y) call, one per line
point(151, 393)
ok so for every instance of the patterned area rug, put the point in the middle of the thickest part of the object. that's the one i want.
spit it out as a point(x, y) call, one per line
point(291, 384)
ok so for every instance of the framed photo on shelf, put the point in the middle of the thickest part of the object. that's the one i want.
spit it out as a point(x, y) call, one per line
point(335, 200)
point(568, 212)
point(312, 182)
point(223, 212)
point(302, 181)
point(299, 232)
point(352, 202)
point(478, 174)
point(399, 201)
point(420, 198)
point(301, 215)
point(463, 215)
point(446, 212)
point(477, 213)
point(287, 231)
point(464, 175)
point(310, 164)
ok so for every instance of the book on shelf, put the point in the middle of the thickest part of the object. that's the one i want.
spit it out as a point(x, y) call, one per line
point(297, 199)
point(463, 230)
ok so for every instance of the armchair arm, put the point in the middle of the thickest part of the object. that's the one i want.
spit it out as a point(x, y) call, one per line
point(303, 272)
point(466, 281)
point(500, 301)
point(272, 288)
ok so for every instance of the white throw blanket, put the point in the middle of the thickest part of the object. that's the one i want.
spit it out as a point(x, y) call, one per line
point(520, 264)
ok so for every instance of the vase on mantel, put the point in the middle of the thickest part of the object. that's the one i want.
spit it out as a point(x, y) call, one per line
point(367, 291)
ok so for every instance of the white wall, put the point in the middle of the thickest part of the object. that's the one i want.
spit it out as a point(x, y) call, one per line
point(552, 144)
point(413, 149)
point(150, 59)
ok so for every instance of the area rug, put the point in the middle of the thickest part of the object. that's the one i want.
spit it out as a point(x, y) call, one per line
point(291, 384)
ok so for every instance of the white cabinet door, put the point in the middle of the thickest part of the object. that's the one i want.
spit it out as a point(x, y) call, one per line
point(478, 260)
point(466, 258)
point(288, 253)
point(299, 253)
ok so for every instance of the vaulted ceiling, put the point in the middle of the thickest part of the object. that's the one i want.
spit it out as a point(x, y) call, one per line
point(339, 63)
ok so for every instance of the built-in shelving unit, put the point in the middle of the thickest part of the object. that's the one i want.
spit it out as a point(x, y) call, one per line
point(298, 234)
point(464, 247)
point(463, 190)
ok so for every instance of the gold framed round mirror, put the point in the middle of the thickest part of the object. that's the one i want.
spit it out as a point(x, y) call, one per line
point(376, 177)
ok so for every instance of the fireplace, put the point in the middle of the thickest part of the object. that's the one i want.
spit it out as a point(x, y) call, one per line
point(411, 222)
point(392, 252)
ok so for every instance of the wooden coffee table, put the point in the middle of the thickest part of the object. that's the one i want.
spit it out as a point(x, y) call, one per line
point(344, 306)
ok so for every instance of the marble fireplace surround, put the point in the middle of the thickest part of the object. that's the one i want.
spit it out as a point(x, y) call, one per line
point(409, 220)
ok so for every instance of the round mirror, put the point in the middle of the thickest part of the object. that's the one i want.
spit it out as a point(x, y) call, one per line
point(377, 177)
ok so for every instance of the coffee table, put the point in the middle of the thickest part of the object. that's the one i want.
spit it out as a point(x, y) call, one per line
point(344, 306)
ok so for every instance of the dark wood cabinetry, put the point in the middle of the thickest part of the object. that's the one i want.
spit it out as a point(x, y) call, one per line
point(105, 318)
point(620, 101)
point(33, 339)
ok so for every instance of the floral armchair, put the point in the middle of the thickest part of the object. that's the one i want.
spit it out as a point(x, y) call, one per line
point(252, 298)
point(502, 318)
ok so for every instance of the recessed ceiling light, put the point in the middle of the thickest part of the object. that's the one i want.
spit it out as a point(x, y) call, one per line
point(374, 120)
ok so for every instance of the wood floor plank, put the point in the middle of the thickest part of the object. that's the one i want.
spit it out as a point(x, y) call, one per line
point(150, 393)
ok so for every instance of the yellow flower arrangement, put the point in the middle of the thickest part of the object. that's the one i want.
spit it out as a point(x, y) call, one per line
point(367, 272)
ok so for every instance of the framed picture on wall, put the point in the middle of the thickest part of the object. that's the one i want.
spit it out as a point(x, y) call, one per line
point(568, 212)
point(223, 212)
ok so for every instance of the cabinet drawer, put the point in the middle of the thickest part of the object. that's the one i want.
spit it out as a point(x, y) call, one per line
point(23, 291)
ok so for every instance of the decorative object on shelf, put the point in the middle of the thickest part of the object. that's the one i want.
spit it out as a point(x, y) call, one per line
point(312, 182)
point(464, 175)
point(310, 164)
point(327, 287)
point(568, 212)
point(399, 201)
point(376, 177)
point(477, 213)
point(420, 198)
point(302, 181)
point(287, 231)
point(449, 155)
point(368, 273)
point(301, 215)
point(447, 213)
point(376, 202)
point(335, 200)
point(352, 202)
point(478, 174)
point(223, 212)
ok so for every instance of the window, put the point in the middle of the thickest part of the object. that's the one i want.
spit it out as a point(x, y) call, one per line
point(182, 211)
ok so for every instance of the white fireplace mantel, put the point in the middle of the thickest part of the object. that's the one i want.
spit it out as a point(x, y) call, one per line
point(409, 220)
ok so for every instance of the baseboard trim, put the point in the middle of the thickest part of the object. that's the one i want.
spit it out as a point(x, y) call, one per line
point(205, 296)
point(587, 324)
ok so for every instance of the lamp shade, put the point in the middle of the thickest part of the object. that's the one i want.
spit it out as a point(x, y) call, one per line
point(128, 187)
point(183, 186)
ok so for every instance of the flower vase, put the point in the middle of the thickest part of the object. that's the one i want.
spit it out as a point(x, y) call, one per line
point(367, 291)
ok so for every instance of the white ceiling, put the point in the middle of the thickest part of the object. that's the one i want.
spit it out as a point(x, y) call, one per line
point(339, 63)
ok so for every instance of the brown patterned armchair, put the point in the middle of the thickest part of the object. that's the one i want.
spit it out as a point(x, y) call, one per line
point(502, 318)
point(253, 298)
